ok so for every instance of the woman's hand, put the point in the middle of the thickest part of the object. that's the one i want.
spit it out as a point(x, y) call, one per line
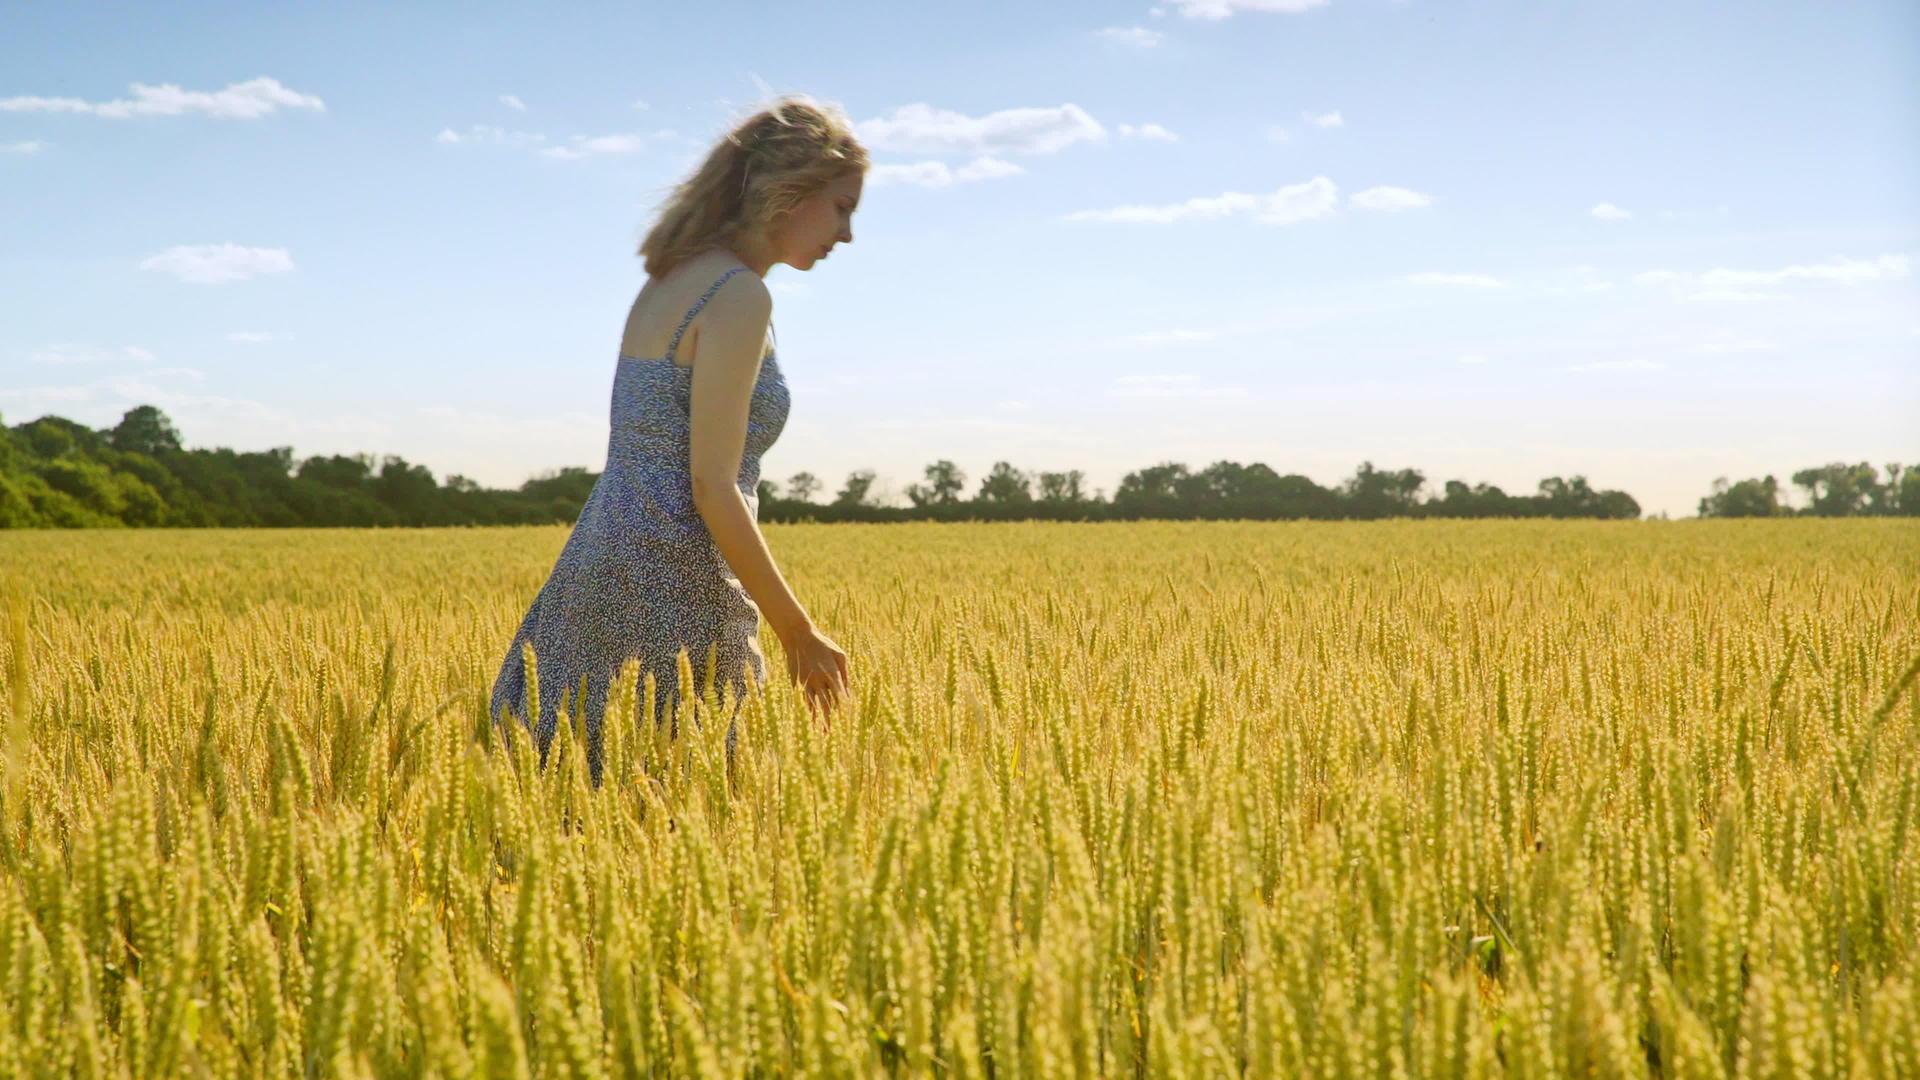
point(819, 667)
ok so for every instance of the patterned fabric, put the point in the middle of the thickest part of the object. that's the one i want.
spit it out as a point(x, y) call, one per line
point(640, 576)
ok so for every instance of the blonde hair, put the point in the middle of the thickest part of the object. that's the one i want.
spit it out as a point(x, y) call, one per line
point(764, 168)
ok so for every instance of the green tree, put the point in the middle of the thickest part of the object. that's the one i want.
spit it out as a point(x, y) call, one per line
point(1840, 490)
point(144, 429)
point(1907, 501)
point(558, 495)
point(410, 490)
point(119, 498)
point(1747, 498)
point(1151, 492)
point(1477, 500)
point(338, 470)
point(49, 440)
point(1885, 499)
point(1005, 485)
point(854, 492)
point(1376, 493)
point(944, 483)
point(1617, 505)
point(802, 486)
point(1062, 487)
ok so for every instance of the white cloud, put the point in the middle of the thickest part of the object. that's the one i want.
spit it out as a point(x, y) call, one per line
point(936, 174)
point(1680, 289)
point(1220, 9)
point(1473, 358)
point(88, 354)
point(566, 428)
point(1147, 131)
point(986, 168)
point(1276, 133)
point(1389, 198)
point(257, 337)
point(490, 135)
point(923, 129)
point(512, 101)
point(1839, 270)
point(1736, 346)
point(641, 105)
point(40, 396)
point(1171, 337)
point(1746, 285)
point(1720, 211)
point(586, 145)
point(31, 146)
point(1606, 211)
point(1325, 120)
point(1477, 281)
point(353, 424)
point(1138, 37)
point(244, 100)
point(1315, 198)
point(1635, 364)
point(575, 148)
point(132, 389)
point(1170, 386)
point(928, 174)
point(1586, 284)
point(241, 421)
point(209, 264)
point(1200, 207)
point(177, 373)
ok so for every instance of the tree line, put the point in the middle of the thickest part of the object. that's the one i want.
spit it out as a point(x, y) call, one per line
point(55, 472)
point(1836, 489)
point(58, 473)
point(1222, 490)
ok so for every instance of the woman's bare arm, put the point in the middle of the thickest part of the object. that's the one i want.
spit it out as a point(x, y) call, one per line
point(727, 364)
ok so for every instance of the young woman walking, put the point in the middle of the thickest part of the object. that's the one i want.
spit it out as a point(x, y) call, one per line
point(667, 555)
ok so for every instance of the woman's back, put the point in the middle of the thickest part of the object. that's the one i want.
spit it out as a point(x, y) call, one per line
point(640, 576)
point(647, 485)
point(662, 303)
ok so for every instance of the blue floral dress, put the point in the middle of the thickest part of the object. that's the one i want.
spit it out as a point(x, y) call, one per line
point(640, 576)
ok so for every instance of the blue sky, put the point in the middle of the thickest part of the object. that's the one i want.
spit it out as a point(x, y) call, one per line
point(1652, 243)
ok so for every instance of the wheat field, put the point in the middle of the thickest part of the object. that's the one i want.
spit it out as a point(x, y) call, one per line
point(1396, 799)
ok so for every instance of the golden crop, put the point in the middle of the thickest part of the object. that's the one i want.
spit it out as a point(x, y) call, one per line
point(1424, 799)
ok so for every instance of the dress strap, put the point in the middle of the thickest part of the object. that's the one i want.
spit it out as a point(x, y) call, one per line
point(702, 302)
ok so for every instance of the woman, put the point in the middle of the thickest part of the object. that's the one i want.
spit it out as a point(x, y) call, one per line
point(666, 555)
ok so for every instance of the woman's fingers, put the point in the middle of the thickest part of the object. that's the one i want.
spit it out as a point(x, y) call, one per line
point(822, 689)
point(824, 685)
point(820, 705)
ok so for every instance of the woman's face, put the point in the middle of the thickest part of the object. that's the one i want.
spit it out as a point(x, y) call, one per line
point(822, 221)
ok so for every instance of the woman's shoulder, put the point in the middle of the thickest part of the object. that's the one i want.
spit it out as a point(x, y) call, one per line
point(706, 268)
point(744, 294)
point(733, 286)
